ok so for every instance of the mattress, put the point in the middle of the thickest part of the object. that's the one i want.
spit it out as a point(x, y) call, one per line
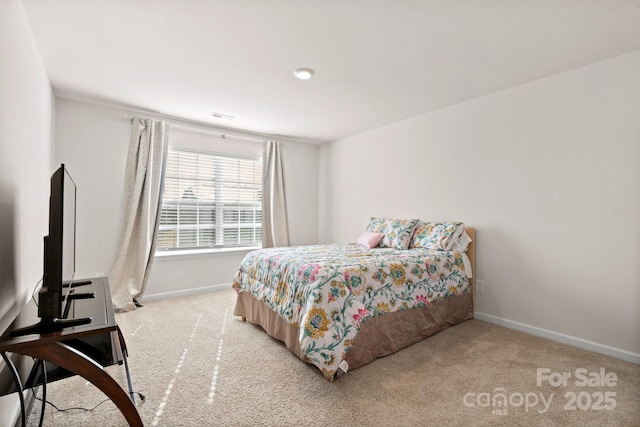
point(326, 293)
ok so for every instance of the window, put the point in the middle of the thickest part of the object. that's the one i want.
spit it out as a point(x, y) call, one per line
point(210, 201)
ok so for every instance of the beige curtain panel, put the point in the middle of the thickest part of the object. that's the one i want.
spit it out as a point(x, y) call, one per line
point(143, 186)
point(275, 224)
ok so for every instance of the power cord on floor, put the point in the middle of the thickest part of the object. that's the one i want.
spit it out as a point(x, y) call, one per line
point(72, 408)
point(140, 395)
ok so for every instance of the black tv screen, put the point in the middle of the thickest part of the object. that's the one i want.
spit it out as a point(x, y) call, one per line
point(68, 228)
point(59, 258)
point(60, 245)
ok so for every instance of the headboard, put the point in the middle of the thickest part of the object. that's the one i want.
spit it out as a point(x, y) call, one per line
point(471, 253)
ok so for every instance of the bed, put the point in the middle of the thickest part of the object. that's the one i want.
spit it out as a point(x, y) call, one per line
point(340, 306)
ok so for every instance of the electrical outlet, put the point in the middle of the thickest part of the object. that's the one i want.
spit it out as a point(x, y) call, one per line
point(480, 286)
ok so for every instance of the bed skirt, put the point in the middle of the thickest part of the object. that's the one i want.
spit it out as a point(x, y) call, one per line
point(377, 337)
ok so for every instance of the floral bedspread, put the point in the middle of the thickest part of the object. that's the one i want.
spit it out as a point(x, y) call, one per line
point(330, 290)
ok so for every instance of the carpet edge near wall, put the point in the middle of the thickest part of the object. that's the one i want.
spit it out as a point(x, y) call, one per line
point(583, 344)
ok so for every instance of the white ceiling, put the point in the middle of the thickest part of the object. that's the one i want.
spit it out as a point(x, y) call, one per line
point(376, 62)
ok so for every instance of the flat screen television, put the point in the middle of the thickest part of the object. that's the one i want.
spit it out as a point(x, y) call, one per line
point(59, 260)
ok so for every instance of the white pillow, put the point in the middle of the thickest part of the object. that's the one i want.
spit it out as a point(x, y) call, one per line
point(461, 243)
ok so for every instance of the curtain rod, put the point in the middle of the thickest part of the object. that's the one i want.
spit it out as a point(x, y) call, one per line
point(220, 134)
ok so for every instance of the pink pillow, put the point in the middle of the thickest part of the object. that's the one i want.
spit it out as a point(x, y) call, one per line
point(369, 239)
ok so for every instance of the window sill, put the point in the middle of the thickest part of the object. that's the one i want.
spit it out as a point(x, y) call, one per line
point(198, 253)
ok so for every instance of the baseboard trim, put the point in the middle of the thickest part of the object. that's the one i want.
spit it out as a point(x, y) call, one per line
point(565, 339)
point(185, 292)
point(29, 400)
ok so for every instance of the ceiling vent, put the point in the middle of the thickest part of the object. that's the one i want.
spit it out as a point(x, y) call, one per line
point(222, 116)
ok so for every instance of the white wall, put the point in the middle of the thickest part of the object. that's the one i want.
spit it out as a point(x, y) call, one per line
point(26, 137)
point(548, 174)
point(92, 141)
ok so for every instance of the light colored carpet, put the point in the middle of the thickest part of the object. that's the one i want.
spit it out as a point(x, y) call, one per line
point(198, 365)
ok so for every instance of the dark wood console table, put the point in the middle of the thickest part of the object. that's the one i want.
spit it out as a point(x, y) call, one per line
point(81, 350)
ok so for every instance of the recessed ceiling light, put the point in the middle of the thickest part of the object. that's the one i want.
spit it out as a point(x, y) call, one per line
point(303, 73)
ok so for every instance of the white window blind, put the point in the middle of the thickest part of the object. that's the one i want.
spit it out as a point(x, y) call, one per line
point(210, 201)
